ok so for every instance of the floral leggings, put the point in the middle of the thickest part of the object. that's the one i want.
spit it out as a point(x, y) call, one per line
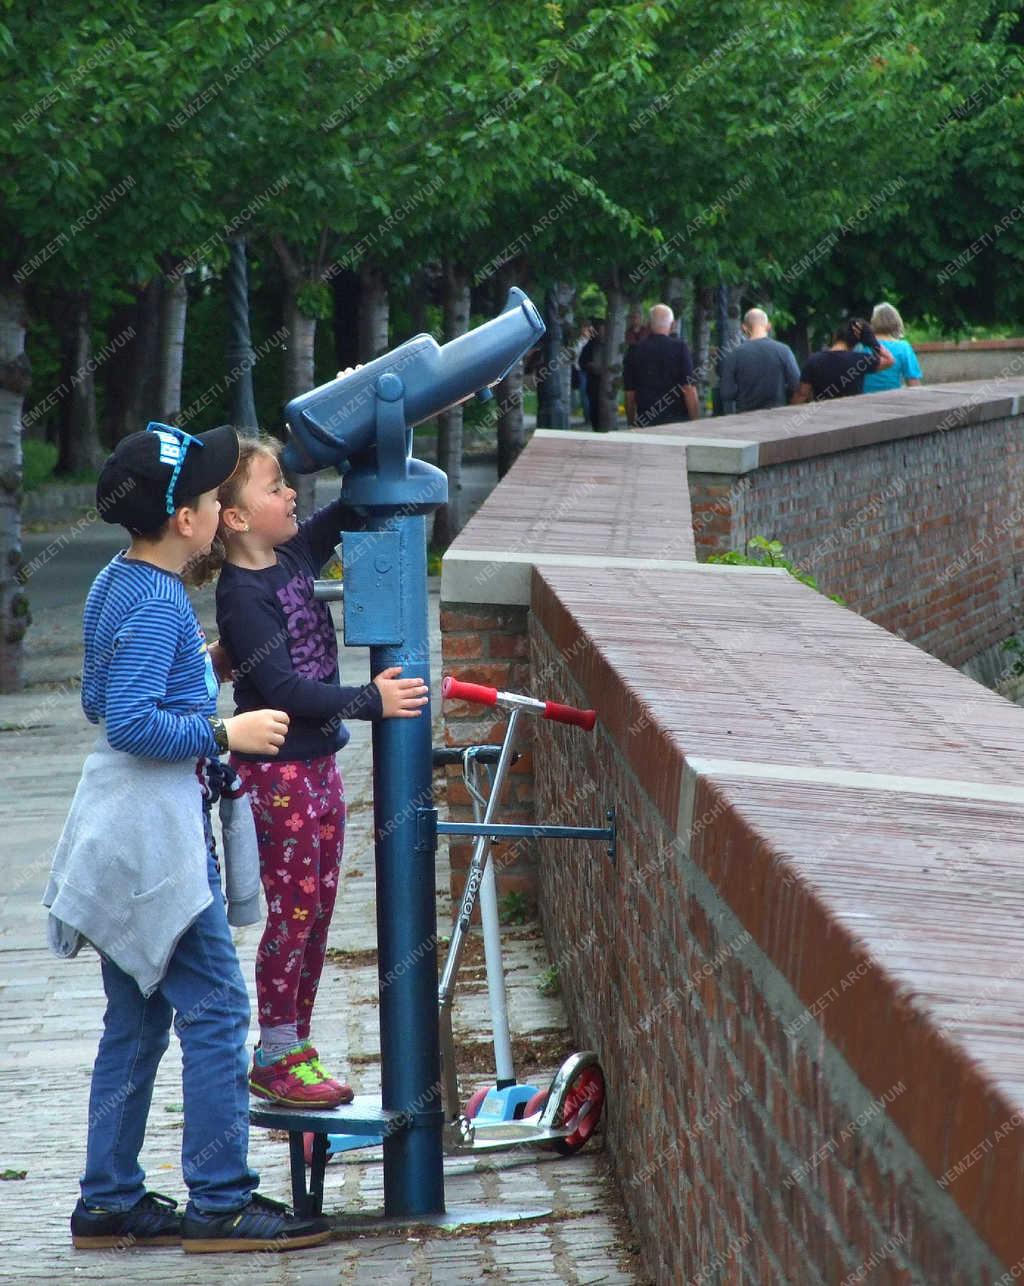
point(299, 809)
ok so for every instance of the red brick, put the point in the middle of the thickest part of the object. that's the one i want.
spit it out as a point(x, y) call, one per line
point(457, 647)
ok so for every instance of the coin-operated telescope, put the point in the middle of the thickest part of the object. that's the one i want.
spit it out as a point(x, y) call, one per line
point(361, 424)
point(367, 417)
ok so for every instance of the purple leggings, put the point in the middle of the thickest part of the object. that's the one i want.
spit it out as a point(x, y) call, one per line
point(299, 809)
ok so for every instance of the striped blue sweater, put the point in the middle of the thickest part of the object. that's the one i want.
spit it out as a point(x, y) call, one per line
point(147, 672)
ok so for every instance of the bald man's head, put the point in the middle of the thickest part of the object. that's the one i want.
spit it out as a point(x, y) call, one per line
point(756, 323)
point(662, 318)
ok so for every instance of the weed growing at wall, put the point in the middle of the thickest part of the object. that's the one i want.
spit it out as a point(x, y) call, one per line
point(769, 553)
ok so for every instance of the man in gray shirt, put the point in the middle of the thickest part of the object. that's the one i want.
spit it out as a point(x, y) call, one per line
point(760, 373)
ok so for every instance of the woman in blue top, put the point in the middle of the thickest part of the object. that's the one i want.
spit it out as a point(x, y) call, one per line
point(888, 326)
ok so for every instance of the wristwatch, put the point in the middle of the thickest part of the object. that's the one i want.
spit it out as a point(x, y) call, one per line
point(220, 733)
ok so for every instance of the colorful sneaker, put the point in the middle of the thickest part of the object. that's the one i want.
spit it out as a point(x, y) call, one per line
point(293, 1081)
point(262, 1224)
point(313, 1057)
point(152, 1221)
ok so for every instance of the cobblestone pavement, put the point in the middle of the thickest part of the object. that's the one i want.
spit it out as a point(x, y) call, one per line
point(50, 1014)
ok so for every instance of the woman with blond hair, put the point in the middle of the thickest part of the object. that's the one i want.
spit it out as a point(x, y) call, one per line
point(888, 326)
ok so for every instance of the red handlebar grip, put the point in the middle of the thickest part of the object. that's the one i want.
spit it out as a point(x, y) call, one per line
point(456, 690)
point(584, 719)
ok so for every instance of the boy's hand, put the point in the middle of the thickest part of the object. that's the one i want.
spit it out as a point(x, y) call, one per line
point(400, 698)
point(348, 371)
point(223, 662)
point(258, 732)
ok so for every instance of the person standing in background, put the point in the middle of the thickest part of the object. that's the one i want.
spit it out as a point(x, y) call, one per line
point(905, 371)
point(658, 375)
point(636, 330)
point(839, 370)
point(760, 373)
point(591, 355)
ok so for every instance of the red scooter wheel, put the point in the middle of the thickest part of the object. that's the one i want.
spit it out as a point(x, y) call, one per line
point(538, 1103)
point(475, 1100)
point(580, 1109)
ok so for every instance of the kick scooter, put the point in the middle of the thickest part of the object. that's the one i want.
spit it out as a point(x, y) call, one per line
point(563, 1116)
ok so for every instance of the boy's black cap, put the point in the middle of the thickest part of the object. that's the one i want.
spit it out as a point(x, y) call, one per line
point(132, 489)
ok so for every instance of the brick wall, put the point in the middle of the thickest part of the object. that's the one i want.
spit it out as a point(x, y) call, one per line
point(484, 643)
point(924, 535)
point(786, 1092)
point(802, 976)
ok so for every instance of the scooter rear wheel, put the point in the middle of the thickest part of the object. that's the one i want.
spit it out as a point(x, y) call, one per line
point(473, 1103)
point(581, 1107)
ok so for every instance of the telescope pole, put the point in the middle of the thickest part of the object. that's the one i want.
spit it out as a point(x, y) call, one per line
point(406, 908)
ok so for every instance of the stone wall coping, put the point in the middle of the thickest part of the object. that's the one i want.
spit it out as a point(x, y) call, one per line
point(704, 453)
point(491, 577)
point(823, 428)
point(968, 345)
point(608, 499)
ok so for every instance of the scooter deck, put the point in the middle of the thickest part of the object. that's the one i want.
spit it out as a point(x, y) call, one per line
point(502, 1134)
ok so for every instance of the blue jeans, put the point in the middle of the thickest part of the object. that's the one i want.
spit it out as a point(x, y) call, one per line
point(204, 992)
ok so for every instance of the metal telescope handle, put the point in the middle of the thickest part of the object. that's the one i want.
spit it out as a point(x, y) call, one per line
point(456, 690)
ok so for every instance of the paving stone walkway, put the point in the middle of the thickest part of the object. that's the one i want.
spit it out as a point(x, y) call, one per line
point(50, 1014)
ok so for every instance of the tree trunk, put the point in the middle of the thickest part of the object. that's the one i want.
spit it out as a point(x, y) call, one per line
point(567, 300)
point(448, 519)
point(373, 313)
point(417, 296)
point(144, 382)
point(733, 316)
point(552, 399)
point(14, 380)
point(345, 291)
point(703, 311)
point(299, 376)
point(117, 371)
point(678, 294)
point(797, 336)
point(78, 439)
point(610, 379)
point(173, 312)
point(511, 427)
point(240, 357)
point(730, 302)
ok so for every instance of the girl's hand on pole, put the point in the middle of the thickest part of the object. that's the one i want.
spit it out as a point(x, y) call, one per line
point(400, 698)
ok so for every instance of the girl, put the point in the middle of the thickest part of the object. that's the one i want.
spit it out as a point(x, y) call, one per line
point(282, 642)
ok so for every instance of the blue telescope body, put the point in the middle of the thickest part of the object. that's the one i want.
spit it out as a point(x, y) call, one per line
point(362, 424)
point(337, 422)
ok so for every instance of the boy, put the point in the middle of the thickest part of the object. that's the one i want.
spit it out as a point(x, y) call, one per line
point(135, 875)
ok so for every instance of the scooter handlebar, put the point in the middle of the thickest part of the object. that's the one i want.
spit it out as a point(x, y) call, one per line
point(456, 690)
point(584, 719)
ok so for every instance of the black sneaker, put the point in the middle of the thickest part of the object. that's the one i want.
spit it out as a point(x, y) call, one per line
point(152, 1221)
point(261, 1225)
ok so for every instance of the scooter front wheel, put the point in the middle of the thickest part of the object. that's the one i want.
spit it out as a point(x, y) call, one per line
point(580, 1108)
point(538, 1103)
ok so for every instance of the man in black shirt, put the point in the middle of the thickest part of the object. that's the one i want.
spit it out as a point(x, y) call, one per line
point(838, 371)
point(658, 375)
